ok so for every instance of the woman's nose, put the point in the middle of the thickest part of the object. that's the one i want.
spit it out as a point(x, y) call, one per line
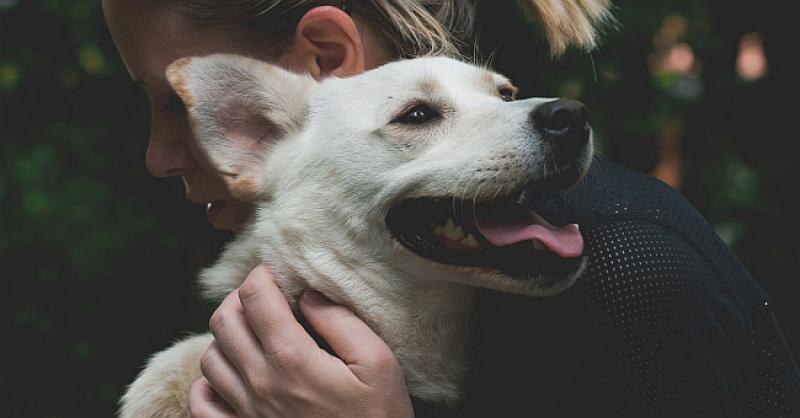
point(167, 153)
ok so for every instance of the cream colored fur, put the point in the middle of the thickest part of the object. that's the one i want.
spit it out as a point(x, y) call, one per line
point(323, 181)
point(570, 22)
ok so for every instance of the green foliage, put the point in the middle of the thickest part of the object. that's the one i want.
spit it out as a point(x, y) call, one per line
point(9, 76)
point(100, 256)
point(83, 228)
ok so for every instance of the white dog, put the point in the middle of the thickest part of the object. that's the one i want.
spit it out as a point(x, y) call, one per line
point(393, 192)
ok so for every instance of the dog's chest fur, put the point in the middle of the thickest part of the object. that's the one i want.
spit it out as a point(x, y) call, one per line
point(423, 320)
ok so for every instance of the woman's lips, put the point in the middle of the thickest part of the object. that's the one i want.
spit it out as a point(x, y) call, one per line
point(213, 211)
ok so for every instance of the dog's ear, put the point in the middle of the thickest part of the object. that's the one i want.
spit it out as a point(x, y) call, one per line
point(238, 108)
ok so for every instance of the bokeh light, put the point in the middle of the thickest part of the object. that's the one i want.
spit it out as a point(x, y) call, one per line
point(751, 63)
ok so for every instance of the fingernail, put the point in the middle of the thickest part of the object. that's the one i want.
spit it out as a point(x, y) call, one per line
point(312, 297)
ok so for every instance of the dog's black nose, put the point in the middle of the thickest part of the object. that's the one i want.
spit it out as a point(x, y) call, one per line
point(565, 124)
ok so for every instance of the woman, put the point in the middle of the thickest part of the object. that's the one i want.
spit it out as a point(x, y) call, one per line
point(604, 353)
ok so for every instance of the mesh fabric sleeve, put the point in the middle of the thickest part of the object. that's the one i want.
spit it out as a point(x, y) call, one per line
point(665, 321)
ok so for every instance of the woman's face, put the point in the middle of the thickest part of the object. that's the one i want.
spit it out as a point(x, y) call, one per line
point(149, 38)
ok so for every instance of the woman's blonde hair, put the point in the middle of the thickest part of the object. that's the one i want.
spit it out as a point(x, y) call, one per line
point(570, 22)
point(413, 27)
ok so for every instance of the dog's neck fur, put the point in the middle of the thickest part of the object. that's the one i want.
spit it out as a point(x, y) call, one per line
point(424, 320)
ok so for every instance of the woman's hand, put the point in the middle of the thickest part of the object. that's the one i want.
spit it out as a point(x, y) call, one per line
point(264, 364)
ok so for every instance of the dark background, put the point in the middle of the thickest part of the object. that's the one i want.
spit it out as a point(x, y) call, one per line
point(97, 258)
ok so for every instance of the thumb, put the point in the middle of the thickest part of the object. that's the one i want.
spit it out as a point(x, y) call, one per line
point(352, 339)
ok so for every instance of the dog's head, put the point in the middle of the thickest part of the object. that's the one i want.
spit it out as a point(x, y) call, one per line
point(424, 161)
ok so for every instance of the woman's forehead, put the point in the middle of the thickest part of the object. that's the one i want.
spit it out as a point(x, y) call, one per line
point(150, 36)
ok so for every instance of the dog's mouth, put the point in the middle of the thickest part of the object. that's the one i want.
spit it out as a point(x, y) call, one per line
point(501, 235)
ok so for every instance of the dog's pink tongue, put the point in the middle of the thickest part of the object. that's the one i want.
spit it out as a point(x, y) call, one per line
point(565, 241)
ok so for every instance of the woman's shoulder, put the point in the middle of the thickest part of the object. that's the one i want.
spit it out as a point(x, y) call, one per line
point(654, 327)
point(654, 261)
point(665, 319)
point(681, 326)
point(638, 227)
point(610, 192)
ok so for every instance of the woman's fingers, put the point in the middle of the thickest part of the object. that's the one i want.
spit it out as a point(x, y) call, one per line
point(204, 403)
point(293, 376)
point(222, 375)
point(271, 318)
point(368, 358)
point(352, 340)
point(236, 339)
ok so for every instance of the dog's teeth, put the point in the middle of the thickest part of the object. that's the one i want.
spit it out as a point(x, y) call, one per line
point(453, 232)
point(470, 241)
point(537, 245)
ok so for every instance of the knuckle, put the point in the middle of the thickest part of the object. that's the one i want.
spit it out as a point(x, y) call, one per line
point(383, 359)
point(208, 360)
point(288, 358)
point(251, 286)
point(249, 289)
point(217, 319)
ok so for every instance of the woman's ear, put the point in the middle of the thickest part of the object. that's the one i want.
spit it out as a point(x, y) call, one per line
point(327, 42)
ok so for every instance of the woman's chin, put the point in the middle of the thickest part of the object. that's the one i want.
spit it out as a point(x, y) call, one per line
point(215, 213)
point(225, 216)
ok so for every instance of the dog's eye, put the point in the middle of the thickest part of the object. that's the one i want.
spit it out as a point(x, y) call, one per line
point(417, 115)
point(507, 94)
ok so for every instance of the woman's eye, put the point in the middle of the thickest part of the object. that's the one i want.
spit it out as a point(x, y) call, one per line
point(507, 95)
point(173, 103)
point(417, 115)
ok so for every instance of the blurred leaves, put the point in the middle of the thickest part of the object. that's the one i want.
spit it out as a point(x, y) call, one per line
point(741, 184)
point(92, 60)
point(81, 350)
point(32, 317)
point(100, 256)
point(9, 76)
point(85, 234)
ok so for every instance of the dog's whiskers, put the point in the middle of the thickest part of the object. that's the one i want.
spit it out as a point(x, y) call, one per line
point(463, 198)
point(497, 192)
point(455, 194)
point(474, 207)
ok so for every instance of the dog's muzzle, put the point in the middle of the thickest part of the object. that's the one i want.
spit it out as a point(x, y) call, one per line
point(502, 234)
